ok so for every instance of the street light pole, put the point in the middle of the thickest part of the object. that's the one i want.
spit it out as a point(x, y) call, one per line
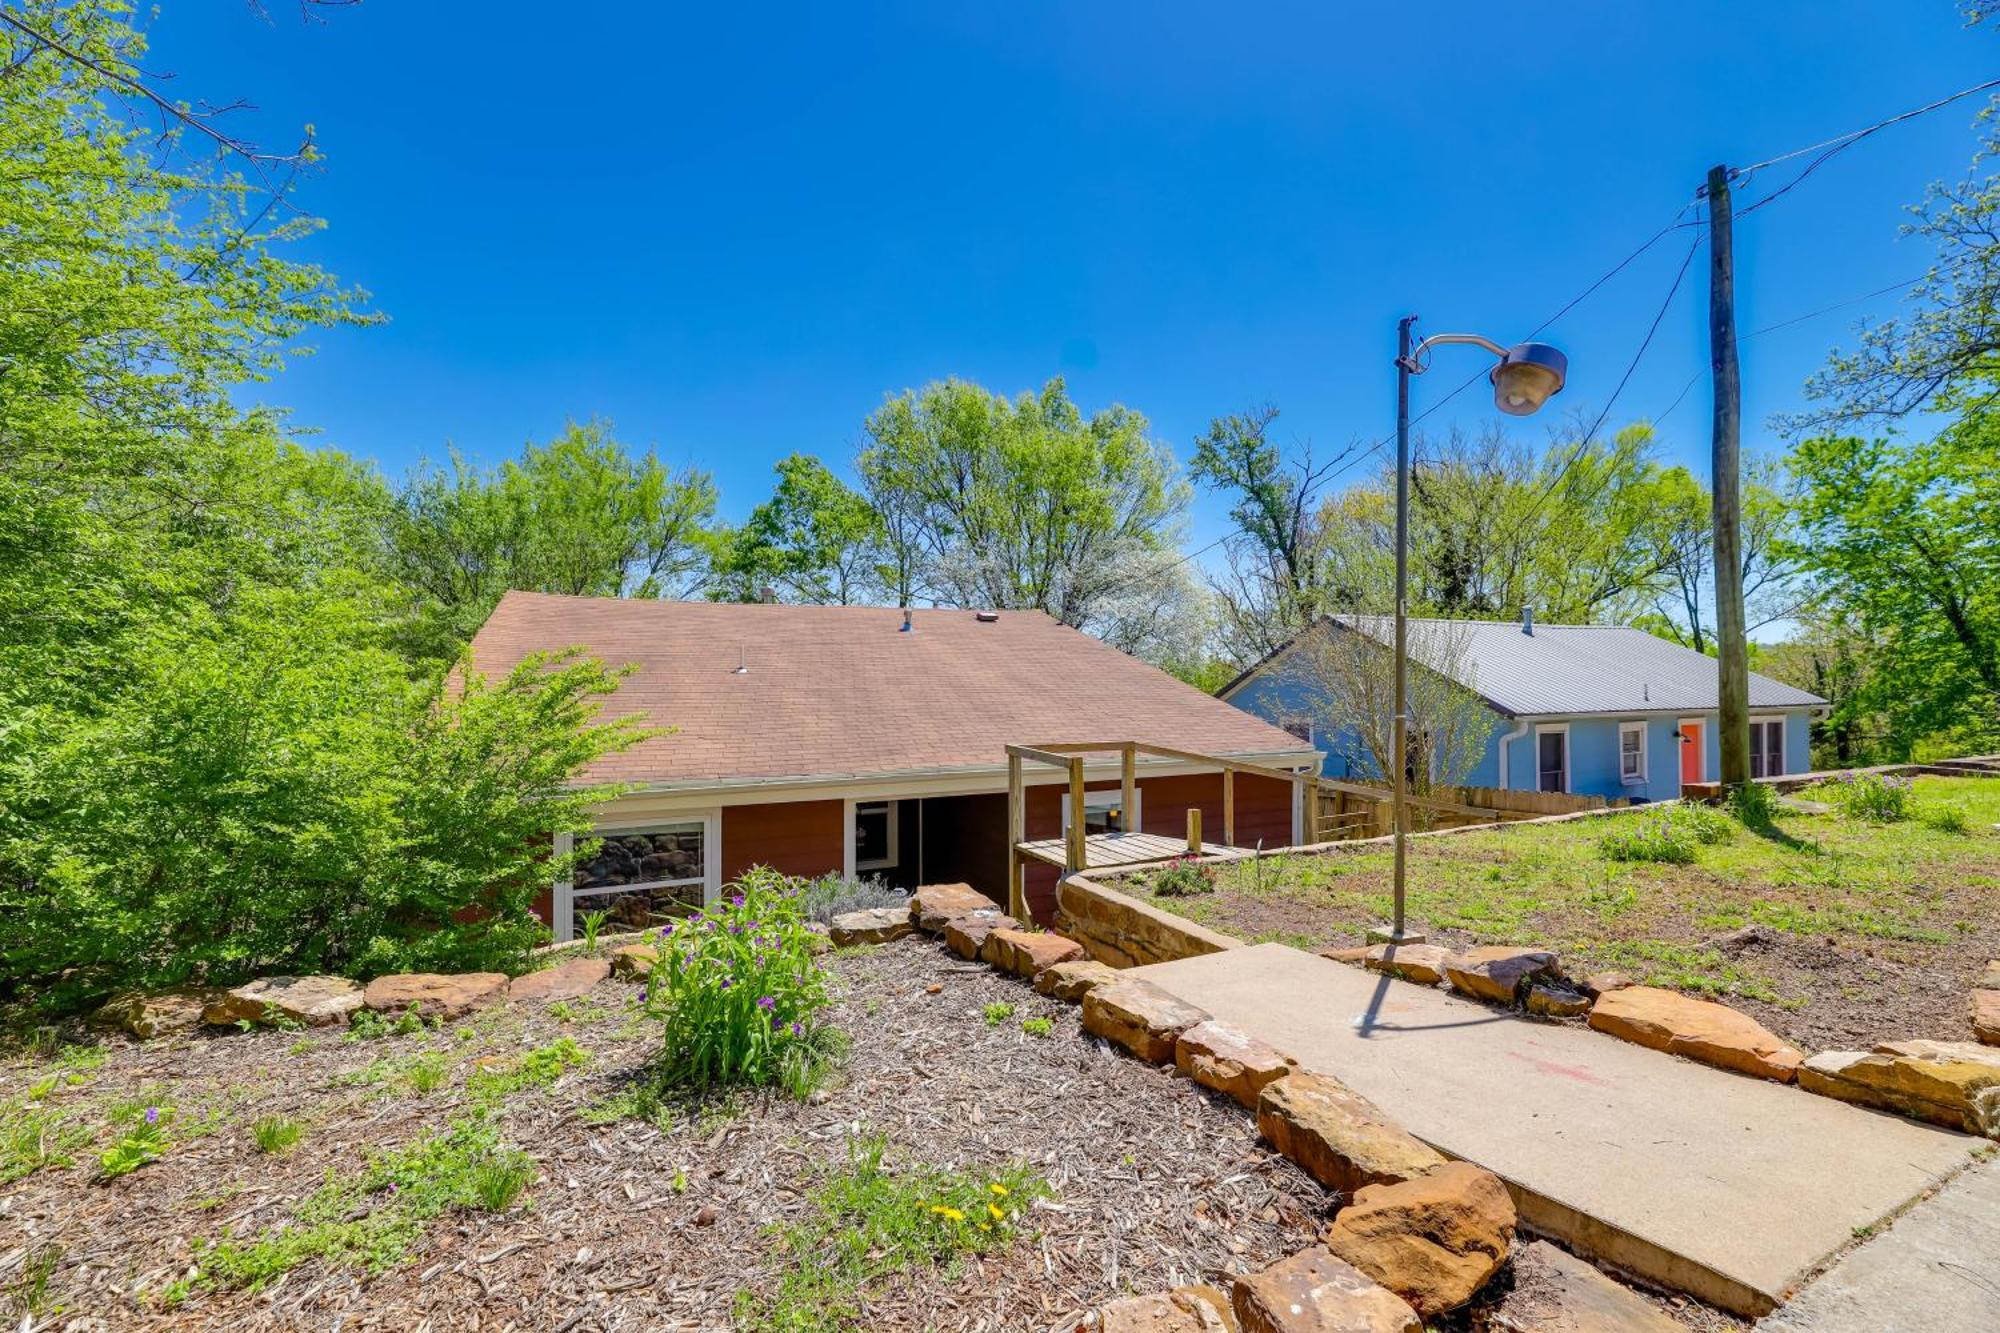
point(1400, 736)
point(1524, 378)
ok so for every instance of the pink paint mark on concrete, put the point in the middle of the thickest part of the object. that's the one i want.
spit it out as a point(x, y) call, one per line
point(1576, 1072)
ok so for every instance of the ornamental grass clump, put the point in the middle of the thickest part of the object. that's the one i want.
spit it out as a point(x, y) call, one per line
point(738, 993)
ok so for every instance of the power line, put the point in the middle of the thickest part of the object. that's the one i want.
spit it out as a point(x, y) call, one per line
point(1630, 366)
point(1828, 147)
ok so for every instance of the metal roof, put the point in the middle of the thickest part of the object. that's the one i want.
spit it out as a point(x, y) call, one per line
point(1565, 669)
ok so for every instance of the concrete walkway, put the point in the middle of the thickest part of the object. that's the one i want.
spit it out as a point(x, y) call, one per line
point(1727, 1187)
point(1937, 1268)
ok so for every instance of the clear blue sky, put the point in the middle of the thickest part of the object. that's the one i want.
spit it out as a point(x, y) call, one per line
point(732, 229)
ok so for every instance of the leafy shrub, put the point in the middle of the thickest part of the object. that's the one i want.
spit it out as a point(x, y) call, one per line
point(1754, 804)
point(738, 994)
point(1942, 818)
point(354, 816)
point(275, 1133)
point(1183, 878)
point(869, 1222)
point(827, 896)
point(1701, 824)
point(1874, 797)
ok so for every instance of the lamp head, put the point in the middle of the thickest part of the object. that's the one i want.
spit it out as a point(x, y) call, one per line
point(1528, 376)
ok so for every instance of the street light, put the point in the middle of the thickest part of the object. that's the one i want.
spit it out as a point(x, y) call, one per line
point(1525, 376)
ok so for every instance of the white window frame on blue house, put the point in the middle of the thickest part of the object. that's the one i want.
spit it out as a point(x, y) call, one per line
point(1784, 736)
point(1635, 779)
point(1569, 760)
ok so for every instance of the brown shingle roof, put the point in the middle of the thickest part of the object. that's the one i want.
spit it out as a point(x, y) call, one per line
point(839, 691)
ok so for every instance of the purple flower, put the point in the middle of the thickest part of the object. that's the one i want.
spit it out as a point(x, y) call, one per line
point(666, 930)
point(727, 983)
point(766, 1002)
point(736, 900)
point(152, 1115)
point(798, 1029)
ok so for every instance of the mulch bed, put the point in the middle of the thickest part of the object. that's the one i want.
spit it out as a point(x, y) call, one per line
point(1155, 1181)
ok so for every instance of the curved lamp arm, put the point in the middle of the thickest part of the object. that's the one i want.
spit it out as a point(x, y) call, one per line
point(1415, 364)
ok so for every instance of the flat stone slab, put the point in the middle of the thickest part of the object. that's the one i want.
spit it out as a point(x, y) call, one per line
point(870, 925)
point(1621, 1152)
point(1938, 1268)
point(564, 981)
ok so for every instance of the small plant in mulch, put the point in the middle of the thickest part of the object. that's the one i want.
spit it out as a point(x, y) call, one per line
point(1038, 1027)
point(593, 925)
point(536, 1069)
point(367, 1025)
point(144, 1141)
point(275, 1133)
point(739, 996)
point(997, 1013)
point(1184, 877)
point(870, 1222)
point(34, 1138)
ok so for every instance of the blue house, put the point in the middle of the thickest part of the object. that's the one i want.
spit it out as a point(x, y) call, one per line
point(1598, 710)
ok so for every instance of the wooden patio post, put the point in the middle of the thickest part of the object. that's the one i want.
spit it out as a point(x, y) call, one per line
point(1194, 830)
point(1128, 795)
point(1017, 829)
point(1073, 852)
point(1229, 807)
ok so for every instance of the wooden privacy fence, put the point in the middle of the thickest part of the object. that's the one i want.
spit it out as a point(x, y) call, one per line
point(1342, 811)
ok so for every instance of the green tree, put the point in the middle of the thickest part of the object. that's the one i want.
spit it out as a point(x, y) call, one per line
point(1023, 504)
point(578, 515)
point(815, 540)
point(1906, 535)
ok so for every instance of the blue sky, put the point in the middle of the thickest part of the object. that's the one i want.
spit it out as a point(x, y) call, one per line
point(732, 229)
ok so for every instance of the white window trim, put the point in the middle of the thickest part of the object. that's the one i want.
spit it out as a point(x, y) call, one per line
point(1701, 747)
point(564, 898)
point(1784, 737)
point(1635, 779)
point(1552, 728)
point(894, 857)
point(1115, 795)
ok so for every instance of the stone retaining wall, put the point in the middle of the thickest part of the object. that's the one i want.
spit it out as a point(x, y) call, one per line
point(1125, 932)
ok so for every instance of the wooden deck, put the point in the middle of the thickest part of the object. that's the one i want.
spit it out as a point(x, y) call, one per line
point(1102, 850)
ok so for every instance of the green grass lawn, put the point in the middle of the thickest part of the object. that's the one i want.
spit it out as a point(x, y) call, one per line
point(1876, 929)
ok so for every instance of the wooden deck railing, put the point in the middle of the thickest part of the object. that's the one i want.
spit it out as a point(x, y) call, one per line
point(1342, 811)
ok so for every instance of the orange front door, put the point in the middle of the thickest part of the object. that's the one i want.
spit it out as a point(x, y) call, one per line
point(1691, 752)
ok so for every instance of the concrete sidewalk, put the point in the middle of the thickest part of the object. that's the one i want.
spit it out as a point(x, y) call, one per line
point(1727, 1187)
point(1938, 1267)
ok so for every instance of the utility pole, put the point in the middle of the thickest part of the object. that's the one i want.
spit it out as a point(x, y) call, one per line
point(1399, 932)
point(1733, 653)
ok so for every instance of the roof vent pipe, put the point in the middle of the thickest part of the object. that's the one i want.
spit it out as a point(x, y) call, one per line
point(1528, 620)
point(909, 621)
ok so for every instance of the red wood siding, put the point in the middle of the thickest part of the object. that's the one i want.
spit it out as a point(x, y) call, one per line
point(794, 838)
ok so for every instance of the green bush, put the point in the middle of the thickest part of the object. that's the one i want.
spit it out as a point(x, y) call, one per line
point(738, 993)
point(1874, 797)
point(1184, 878)
point(1754, 804)
point(1703, 825)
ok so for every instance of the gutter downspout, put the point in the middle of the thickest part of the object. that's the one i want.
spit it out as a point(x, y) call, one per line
point(1506, 743)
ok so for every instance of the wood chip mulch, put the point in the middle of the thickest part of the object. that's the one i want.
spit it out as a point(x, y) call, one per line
point(630, 1227)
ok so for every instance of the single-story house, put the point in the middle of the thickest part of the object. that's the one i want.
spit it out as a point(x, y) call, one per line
point(870, 741)
point(1599, 710)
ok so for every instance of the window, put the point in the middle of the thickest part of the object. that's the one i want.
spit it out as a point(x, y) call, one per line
point(640, 876)
point(1301, 727)
point(1103, 812)
point(875, 835)
point(1552, 758)
point(1767, 747)
point(1632, 752)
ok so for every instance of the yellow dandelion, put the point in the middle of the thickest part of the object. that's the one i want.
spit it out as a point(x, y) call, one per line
point(948, 1214)
point(985, 1226)
point(994, 1209)
point(998, 1189)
